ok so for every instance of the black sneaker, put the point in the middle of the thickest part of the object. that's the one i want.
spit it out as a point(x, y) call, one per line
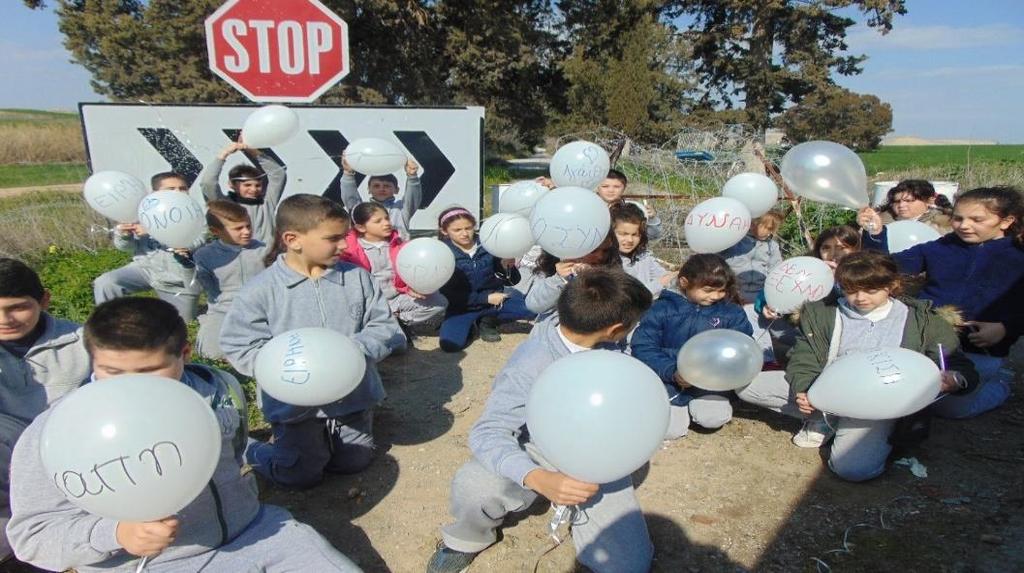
point(446, 560)
point(489, 329)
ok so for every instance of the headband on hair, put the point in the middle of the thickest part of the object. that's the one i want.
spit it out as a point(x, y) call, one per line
point(455, 213)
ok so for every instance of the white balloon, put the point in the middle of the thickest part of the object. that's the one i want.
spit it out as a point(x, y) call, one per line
point(269, 126)
point(883, 384)
point(425, 264)
point(597, 415)
point(758, 192)
point(506, 235)
point(716, 224)
point(905, 234)
point(132, 448)
point(796, 281)
point(571, 222)
point(310, 366)
point(374, 156)
point(827, 172)
point(115, 195)
point(520, 197)
point(173, 218)
point(720, 360)
point(580, 164)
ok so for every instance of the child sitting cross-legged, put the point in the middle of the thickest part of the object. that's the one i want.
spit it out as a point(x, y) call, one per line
point(225, 529)
point(507, 473)
point(708, 300)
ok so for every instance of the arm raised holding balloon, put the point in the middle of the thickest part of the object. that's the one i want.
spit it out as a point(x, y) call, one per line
point(413, 197)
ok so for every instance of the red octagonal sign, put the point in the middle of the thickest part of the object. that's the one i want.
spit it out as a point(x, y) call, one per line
point(278, 50)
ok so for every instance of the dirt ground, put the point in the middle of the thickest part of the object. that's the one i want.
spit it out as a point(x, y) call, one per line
point(740, 499)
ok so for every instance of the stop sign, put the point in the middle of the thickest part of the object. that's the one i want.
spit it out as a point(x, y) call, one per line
point(278, 50)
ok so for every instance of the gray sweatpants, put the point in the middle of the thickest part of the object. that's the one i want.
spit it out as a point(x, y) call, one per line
point(208, 337)
point(609, 532)
point(129, 279)
point(860, 447)
point(273, 543)
point(428, 311)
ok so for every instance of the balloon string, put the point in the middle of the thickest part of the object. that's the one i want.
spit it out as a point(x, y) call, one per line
point(142, 565)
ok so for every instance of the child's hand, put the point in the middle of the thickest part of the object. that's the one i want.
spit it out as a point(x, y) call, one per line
point(559, 488)
point(648, 211)
point(545, 181)
point(345, 167)
point(411, 168)
point(496, 298)
point(508, 263)
point(769, 313)
point(231, 148)
point(868, 219)
point(668, 279)
point(951, 382)
point(416, 295)
point(680, 381)
point(147, 538)
point(804, 404)
point(985, 334)
point(182, 253)
point(565, 270)
point(127, 228)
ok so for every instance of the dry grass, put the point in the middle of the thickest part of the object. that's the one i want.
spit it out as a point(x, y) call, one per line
point(33, 223)
point(41, 142)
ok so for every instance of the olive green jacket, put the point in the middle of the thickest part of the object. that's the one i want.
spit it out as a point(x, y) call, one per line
point(925, 329)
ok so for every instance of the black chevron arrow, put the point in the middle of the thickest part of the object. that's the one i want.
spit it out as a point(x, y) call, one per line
point(437, 170)
point(173, 151)
point(333, 143)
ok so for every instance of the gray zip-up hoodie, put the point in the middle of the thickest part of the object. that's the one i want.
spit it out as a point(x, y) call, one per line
point(49, 532)
point(542, 295)
point(344, 299)
point(262, 214)
point(56, 364)
point(498, 438)
point(164, 271)
point(647, 270)
point(400, 211)
point(223, 269)
point(752, 260)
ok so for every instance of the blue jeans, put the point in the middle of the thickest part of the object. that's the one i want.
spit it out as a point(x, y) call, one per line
point(992, 391)
point(456, 328)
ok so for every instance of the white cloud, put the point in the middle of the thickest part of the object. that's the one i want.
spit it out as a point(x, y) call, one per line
point(920, 38)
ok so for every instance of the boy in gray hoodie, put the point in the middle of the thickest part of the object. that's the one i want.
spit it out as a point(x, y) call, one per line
point(223, 267)
point(41, 359)
point(257, 190)
point(306, 286)
point(169, 272)
point(507, 473)
point(383, 189)
point(224, 529)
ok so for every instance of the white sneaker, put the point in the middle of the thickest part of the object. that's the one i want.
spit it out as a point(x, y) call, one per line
point(813, 434)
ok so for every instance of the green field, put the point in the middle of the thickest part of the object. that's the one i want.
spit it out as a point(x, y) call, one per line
point(41, 174)
point(903, 157)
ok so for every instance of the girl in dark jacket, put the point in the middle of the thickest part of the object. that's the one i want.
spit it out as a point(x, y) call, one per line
point(476, 293)
point(709, 300)
point(979, 269)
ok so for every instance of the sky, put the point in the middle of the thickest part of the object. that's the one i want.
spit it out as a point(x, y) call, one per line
point(949, 68)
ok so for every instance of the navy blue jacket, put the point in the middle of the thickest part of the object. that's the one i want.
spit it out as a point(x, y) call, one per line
point(475, 278)
point(984, 281)
point(672, 320)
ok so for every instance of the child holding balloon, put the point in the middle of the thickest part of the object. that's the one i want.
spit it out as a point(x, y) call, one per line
point(629, 225)
point(383, 190)
point(307, 286)
point(910, 200)
point(169, 272)
point(257, 190)
point(373, 244)
point(553, 274)
point(707, 299)
point(507, 473)
point(223, 267)
point(979, 268)
point(870, 315)
point(477, 292)
point(225, 528)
